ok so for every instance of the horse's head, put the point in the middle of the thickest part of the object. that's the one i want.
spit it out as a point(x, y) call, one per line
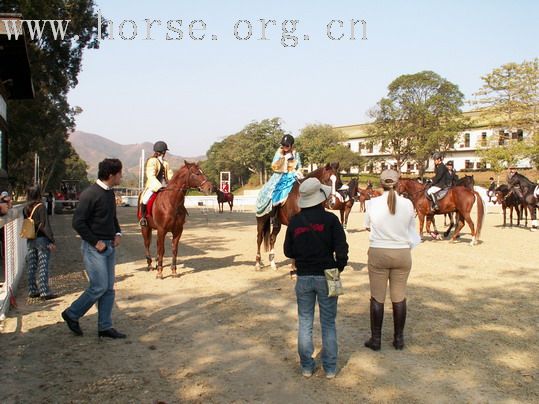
point(197, 179)
point(408, 188)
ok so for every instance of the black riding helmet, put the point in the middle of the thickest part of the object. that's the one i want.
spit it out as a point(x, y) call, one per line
point(160, 147)
point(287, 140)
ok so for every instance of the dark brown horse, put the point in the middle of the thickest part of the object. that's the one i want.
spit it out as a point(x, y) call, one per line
point(525, 190)
point(345, 206)
point(508, 199)
point(168, 213)
point(224, 197)
point(282, 213)
point(458, 199)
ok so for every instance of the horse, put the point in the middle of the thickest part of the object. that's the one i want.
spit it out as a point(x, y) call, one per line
point(466, 181)
point(524, 189)
point(223, 197)
point(282, 213)
point(459, 199)
point(508, 199)
point(364, 195)
point(168, 213)
point(345, 206)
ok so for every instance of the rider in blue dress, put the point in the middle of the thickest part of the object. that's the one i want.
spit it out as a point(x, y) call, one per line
point(286, 166)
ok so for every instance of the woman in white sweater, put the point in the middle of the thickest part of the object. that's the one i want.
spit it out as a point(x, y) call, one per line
point(390, 218)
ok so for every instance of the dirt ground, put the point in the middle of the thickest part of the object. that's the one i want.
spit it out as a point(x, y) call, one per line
point(222, 332)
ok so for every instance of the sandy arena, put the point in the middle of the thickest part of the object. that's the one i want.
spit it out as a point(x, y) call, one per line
point(222, 332)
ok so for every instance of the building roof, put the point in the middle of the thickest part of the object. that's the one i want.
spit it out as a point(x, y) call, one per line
point(14, 65)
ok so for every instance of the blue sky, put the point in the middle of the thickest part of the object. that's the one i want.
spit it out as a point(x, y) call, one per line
point(193, 93)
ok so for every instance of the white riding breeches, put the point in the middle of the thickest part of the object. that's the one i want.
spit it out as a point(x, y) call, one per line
point(433, 190)
point(146, 196)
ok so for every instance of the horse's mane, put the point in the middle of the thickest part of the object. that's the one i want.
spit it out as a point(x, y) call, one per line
point(178, 172)
point(504, 188)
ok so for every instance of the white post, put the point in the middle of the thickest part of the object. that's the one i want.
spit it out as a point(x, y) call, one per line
point(141, 171)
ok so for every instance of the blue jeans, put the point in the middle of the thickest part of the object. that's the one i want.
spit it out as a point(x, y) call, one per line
point(100, 270)
point(37, 260)
point(308, 289)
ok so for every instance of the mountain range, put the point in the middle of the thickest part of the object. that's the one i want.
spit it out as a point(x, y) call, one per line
point(93, 148)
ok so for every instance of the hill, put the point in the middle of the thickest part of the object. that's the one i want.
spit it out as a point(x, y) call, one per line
point(93, 148)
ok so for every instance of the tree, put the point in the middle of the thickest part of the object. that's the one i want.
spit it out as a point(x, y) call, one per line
point(319, 144)
point(250, 150)
point(420, 115)
point(512, 92)
point(41, 125)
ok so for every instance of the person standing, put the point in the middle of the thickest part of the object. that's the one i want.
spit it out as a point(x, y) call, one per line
point(158, 174)
point(440, 181)
point(316, 240)
point(390, 219)
point(40, 248)
point(96, 222)
point(453, 177)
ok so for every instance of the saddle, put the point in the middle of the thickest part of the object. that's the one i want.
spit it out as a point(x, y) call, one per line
point(149, 206)
point(439, 195)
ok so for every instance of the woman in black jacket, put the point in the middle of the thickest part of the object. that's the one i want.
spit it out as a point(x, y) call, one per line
point(40, 248)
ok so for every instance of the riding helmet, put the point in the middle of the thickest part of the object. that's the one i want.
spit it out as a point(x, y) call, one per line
point(160, 147)
point(449, 163)
point(436, 156)
point(287, 140)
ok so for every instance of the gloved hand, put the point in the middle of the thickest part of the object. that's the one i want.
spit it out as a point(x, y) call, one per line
point(299, 175)
point(288, 156)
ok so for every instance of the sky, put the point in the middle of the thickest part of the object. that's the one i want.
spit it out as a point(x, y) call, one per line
point(192, 93)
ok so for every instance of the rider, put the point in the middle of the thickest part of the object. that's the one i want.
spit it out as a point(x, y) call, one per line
point(158, 173)
point(441, 179)
point(491, 188)
point(286, 166)
point(452, 173)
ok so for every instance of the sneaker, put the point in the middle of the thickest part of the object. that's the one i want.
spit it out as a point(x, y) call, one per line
point(331, 375)
point(307, 373)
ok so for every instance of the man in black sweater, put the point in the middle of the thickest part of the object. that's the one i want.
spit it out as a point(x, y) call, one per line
point(96, 222)
point(316, 240)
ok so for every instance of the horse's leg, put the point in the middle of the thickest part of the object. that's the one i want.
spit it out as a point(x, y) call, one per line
point(421, 224)
point(175, 242)
point(467, 217)
point(160, 252)
point(451, 224)
point(535, 225)
point(274, 232)
point(231, 204)
point(504, 209)
point(510, 216)
point(262, 229)
point(458, 227)
point(147, 237)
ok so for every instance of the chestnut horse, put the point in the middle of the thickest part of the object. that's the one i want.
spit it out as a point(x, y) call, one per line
point(223, 197)
point(168, 213)
point(283, 213)
point(345, 207)
point(365, 195)
point(458, 199)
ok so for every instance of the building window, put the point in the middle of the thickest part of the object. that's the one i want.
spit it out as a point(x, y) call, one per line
point(349, 145)
point(484, 139)
point(468, 164)
point(466, 140)
point(501, 138)
point(383, 146)
point(519, 135)
point(370, 147)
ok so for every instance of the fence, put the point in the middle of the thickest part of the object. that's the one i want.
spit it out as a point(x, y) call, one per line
point(14, 252)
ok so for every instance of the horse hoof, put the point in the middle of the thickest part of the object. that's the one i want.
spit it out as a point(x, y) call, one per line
point(159, 276)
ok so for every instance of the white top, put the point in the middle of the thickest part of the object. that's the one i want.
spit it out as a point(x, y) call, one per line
point(391, 231)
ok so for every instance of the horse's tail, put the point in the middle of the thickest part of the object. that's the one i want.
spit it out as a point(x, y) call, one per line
point(480, 214)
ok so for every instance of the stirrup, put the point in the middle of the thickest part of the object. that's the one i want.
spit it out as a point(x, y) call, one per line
point(143, 222)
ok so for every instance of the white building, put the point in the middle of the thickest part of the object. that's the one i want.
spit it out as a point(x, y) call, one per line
point(463, 153)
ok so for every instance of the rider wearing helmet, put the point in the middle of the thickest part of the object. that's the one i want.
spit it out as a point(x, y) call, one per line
point(158, 174)
point(452, 173)
point(441, 179)
point(286, 166)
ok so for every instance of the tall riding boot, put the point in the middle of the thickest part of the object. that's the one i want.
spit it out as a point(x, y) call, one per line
point(399, 318)
point(377, 317)
point(143, 221)
point(434, 202)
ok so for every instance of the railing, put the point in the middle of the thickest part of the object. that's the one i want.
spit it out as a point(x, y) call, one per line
point(14, 249)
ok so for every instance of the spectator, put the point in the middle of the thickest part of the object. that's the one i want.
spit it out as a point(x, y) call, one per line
point(96, 222)
point(390, 219)
point(316, 240)
point(40, 248)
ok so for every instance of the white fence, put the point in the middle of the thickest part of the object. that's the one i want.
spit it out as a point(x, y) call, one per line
point(14, 249)
point(241, 203)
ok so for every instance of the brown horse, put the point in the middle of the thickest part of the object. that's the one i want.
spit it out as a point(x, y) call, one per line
point(364, 195)
point(223, 197)
point(283, 213)
point(344, 207)
point(168, 213)
point(458, 199)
